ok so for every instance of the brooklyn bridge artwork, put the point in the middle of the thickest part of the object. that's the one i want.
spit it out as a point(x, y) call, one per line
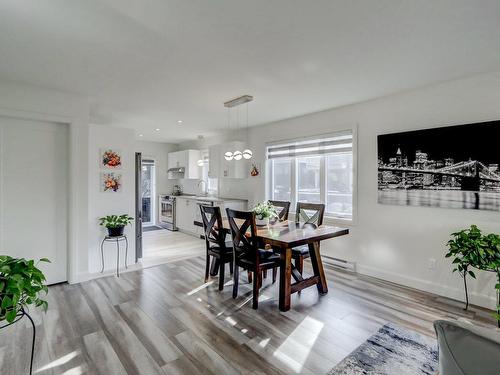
point(449, 167)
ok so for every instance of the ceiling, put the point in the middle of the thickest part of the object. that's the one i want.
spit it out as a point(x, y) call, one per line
point(147, 64)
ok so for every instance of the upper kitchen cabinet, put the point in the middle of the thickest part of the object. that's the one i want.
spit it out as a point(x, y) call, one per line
point(184, 164)
point(219, 167)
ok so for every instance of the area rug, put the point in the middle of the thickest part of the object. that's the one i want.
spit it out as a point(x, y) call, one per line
point(151, 228)
point(392, 350)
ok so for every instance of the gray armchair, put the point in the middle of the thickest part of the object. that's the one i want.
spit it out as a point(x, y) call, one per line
point(466, 349)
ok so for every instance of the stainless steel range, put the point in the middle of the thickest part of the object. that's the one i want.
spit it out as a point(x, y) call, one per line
point(166, 213)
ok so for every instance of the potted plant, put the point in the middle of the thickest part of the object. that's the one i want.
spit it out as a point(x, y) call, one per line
point(263, 212)
point(115, 223)
point(21, 285)
point(471, 249)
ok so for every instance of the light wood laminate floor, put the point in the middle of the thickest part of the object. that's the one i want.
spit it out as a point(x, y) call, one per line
point(164, 320)
point(164, 246)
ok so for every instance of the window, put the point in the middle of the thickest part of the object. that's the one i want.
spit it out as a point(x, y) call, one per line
point(318, 170)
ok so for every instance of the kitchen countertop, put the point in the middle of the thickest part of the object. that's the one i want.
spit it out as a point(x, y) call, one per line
point(210, 199)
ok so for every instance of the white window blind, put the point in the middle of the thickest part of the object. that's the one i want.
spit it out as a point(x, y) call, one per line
point(341, 142)
point(314, 170)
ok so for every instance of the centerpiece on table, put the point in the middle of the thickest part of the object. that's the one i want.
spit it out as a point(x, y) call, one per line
point(115, 223)
point(264, 211)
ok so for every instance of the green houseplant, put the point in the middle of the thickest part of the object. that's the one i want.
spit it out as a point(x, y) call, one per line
point(115, 223)
point(469, 248)
point(263, 212)
point(21, 285)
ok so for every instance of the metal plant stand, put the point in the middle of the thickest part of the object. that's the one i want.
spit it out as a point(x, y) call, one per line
point(116, 239)
point(19, 316)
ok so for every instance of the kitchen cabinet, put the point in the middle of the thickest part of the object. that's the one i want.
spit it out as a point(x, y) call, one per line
point(219, 167)
point(187, 159)
point(188, 211)
point(186, 214)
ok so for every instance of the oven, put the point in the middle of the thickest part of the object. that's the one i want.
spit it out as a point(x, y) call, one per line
point(166, 212)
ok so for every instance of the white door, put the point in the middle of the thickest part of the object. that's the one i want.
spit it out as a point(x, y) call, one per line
point(34, 193)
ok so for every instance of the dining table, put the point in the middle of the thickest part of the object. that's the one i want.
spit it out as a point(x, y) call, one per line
point(281, 237)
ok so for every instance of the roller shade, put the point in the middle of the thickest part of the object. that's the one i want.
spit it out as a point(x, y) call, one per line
point(330, 144)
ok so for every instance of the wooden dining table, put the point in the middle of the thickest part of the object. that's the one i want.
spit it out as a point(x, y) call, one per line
point(282, 237)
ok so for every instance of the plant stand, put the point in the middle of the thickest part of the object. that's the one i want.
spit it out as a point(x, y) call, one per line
point(19, 316)
point(116, 239)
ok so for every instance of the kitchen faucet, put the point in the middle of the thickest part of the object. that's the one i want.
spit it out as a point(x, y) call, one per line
point(204, 187)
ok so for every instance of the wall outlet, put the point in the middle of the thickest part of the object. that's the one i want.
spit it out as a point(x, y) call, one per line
point(432, 264)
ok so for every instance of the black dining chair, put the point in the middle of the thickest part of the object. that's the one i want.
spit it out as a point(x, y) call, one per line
point(306, 213)
point(246, 251)
point(215, 241)
point(283, 208)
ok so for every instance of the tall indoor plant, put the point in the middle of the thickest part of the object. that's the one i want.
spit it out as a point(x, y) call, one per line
point(22, 284)
point(471, 249)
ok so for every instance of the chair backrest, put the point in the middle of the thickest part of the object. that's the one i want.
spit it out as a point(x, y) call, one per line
point(244, 241)
point(310, 213)
point(212, 221)
point(283, 208)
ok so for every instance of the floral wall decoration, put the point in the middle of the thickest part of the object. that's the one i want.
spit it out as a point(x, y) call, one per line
point(110, 159)
point(111, 182)
point(255, 169)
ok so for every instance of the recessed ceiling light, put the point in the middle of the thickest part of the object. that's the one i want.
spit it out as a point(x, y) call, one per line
point(140, 135)
point(179, 121)
point(157, 129)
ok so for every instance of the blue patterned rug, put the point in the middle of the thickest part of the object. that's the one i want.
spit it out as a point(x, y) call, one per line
point(392, 350)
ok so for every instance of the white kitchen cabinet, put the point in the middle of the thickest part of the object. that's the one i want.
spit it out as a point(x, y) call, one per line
point(187, 159)
point(219, 167)
point(185, 212)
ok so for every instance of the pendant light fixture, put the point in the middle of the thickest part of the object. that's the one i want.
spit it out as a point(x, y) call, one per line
point(228, 155)
point(247, 153)
point(237, 154)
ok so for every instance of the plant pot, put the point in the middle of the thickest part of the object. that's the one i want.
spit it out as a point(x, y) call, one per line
point(261, 222)
point(115, 232)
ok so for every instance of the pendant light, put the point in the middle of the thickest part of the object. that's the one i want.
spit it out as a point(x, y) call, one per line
point(237, 154)
point(228, 155)
point(247, 153)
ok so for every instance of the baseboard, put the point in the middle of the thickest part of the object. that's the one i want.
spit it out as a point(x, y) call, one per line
point(428, 286)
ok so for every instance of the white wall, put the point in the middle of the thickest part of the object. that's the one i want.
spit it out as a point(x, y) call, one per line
point(102, 204)
point(395, 242)
point(35, 103)
point(158, 152)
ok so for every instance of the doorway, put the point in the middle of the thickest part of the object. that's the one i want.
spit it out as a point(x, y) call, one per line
point(148, 192)
point(34, 193)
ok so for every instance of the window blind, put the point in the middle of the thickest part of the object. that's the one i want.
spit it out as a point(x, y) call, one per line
point(330, 144)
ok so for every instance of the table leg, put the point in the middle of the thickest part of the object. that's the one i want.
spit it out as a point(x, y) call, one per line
point(317, 266)
point(102, 255)
point(117, 258)
point(285, 279)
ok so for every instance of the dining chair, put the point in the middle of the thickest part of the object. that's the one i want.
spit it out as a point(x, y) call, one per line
point(283, 208)
point(246, 251)
point(306, 213)
point(215, 241)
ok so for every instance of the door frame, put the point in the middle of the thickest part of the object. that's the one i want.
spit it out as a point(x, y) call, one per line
point(77, 236)
point(154, 207)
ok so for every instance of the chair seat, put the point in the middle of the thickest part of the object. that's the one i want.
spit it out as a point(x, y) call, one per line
point(300, 251)
point(268, 259)
point(216, 250)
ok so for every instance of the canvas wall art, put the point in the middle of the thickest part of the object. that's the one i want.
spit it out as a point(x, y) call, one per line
point(111, 182)
point(448, 167)
point(110, 159)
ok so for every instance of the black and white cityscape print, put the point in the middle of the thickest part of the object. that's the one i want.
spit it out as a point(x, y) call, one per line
point(449, 167)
